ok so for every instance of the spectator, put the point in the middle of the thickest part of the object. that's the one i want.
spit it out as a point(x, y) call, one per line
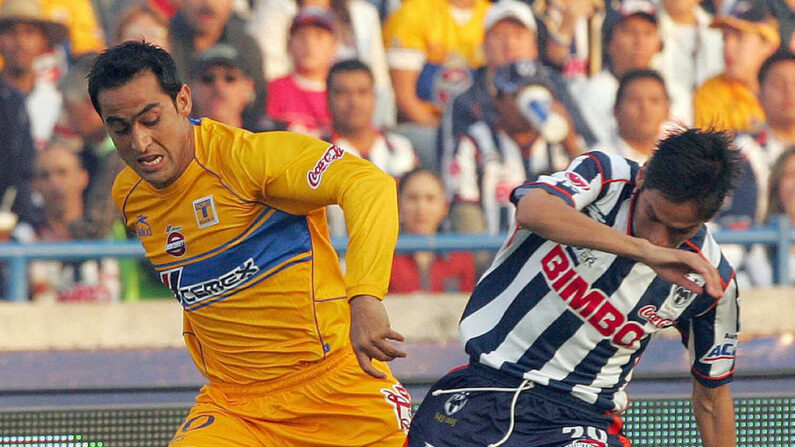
point(641, 110)
point(492, 159)
point(141, 21)
point(571, 35)
point(632, 43)
point(33, 62)
point(351, 101)
point(784, 13)
point(771, 138)
point(431, 46)
point(222, 89)
point(61, 181)
point(692, 51)
point(16, 154)
point(299, 99)
point(782, 197)
point(728, 101)
point(510, 36)
point(85, 35)
point(200, 24)
point(359, 37)
point(97, 154)
point(422, 204)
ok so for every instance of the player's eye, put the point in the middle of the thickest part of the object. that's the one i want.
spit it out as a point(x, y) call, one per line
point(151, 123)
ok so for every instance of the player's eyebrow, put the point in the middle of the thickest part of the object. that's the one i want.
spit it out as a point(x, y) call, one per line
point(115, 119)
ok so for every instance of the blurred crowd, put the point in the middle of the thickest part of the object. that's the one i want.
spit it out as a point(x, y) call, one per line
point(459, 100)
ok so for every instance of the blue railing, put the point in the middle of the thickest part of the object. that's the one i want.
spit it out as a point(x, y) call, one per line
point(780, 234)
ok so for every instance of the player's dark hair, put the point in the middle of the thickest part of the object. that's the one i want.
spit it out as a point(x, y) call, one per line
point(118, 65)
point(769, 63)
point(632, 76)
point(695, 164)
point(347, 66)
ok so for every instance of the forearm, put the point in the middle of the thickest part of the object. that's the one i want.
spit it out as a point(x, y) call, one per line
point(714, 410)
point(370, 207)
point(553, 219)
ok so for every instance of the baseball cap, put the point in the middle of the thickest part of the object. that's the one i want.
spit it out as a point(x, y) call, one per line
point(510, 10)
point(31, 11)
point(219, 54)
point(751, 16)
point(314, 16)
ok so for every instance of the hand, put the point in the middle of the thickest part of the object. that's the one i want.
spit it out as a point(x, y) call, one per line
point(369, 333)
point(674, 265)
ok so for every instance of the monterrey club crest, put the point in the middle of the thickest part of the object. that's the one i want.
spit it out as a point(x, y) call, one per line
point(175, 242)
point(455, 403)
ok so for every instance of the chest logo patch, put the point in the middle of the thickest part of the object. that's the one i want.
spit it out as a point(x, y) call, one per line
point(175, 242)
point(204, 210)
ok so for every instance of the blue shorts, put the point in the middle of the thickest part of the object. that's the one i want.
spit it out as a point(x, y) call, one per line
point(543, 418)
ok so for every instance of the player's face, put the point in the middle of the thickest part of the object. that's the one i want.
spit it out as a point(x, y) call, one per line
point(662, 221)
point(150, 130)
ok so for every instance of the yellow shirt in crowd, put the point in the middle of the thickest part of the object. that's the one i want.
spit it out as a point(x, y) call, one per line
point(723, 103)
point(242, 241)
point(85, 33)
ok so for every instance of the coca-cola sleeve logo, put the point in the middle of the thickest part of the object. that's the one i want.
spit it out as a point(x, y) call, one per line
point(315, 174)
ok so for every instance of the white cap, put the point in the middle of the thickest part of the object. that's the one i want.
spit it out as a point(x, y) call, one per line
point(510, 9)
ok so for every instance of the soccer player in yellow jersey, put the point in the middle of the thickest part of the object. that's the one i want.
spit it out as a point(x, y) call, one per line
point(234, 223)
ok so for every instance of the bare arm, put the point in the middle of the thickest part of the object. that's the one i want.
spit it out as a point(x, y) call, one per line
point(714, 411)
point(552, 218)
point(409, 105)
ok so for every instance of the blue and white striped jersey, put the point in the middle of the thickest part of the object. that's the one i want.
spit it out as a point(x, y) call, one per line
point(577, 320)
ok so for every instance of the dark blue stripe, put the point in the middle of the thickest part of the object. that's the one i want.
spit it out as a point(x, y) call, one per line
point(586, 371)
point(495, 282)
point(546, 345)
point(257, 220)
point(279, 239)
point(524, 302)
point(624, 195)
point(605, 397)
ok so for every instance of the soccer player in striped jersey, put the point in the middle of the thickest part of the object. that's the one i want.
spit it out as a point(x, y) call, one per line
point(605, 254)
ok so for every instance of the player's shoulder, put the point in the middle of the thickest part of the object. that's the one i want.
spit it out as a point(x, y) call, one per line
point(125, 181)
point(705, 244)
point(123, 186)
point(610, 167)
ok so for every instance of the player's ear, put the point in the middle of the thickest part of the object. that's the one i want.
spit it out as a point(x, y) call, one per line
point(184, 101)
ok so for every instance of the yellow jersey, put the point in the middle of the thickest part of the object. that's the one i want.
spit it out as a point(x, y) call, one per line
point(242, 241)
